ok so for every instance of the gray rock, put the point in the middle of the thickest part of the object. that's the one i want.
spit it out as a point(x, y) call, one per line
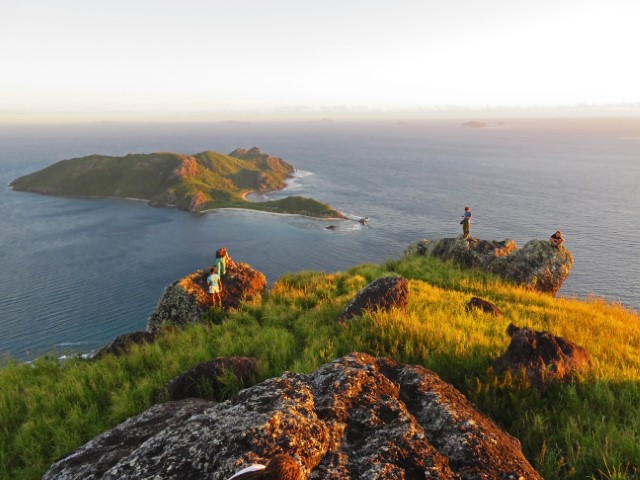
point(356, 417)
point(203, 380)
point(186, 300)
point(538, 265)
point(381, 294)
point(122, 343)
point(542, 356)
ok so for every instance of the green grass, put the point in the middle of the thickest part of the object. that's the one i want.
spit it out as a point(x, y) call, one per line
point(584, 430)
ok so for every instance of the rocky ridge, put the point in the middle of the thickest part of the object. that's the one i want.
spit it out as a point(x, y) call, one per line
point(538, 265)
point(356, 417)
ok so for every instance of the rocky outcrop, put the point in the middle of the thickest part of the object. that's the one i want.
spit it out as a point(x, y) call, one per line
point(543, 357)
point(186, 300)
point(538, 265)
point(477, 303)
point(206, 379)
point(357, 417)
point(381, 294)
point(121, 344)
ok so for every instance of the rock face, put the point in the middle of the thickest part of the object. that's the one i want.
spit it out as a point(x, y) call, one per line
point(480, 304)
point(186, 300)
point(538, 264)
point(204, 380)
point(383, 293)
point(121, 344)
point(357, 417)
point(544, 357)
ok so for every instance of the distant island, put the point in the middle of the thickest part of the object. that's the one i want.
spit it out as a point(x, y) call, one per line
point(194, 183)
point(476, 124)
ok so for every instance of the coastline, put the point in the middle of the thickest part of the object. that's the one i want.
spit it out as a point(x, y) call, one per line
point(200, 212)
point(211, 210)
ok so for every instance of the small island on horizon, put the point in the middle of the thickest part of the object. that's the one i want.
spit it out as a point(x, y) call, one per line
point(194, 183)
point(476, 124)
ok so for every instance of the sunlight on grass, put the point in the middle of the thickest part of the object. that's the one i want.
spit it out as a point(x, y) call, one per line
point(585, 429)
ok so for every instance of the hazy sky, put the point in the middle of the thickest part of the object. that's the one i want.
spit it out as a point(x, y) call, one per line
point(119, 58)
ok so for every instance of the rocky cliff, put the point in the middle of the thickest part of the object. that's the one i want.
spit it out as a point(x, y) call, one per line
point(538, 264)
point(357, 417)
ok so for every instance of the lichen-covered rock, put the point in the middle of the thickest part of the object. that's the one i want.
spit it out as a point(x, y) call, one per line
point(121, 344)
point(538, 265)
point(477, 303)
point(381, 294)
point(186, 300)
point(356, 417)
point(94, 459)
point(204, 380)
point(543, 357)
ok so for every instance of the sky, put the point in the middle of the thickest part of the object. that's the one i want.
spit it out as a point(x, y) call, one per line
point(243, 59)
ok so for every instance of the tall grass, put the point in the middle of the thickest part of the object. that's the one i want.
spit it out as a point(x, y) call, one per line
point(585, 429)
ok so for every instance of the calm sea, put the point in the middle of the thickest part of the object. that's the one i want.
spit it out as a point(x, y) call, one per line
point(77, 272)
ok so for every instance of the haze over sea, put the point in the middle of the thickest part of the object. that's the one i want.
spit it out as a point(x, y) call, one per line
point(78, 272)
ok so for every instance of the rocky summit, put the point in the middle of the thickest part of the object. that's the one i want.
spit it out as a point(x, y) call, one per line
point(358, 417)
point(187, 299)
point(538, 265)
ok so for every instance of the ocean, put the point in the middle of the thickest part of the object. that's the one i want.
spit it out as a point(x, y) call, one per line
point(78, 272)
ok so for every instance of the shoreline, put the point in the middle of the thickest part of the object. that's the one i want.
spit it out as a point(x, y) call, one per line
point(211, 210)
point(199, 212)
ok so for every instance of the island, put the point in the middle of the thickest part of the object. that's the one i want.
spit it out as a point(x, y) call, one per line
point(476, 124)
point(194, 183)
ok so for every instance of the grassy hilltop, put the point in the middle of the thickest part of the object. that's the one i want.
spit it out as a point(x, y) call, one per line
point(587, 429)
point(190, 182)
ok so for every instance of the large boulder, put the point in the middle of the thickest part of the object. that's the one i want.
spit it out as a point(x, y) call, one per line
point(186, 300)
point(356, 417)
point(543, 357)
point(205, 380)
point(381, 294)
point(122, 343)
point(538, 265)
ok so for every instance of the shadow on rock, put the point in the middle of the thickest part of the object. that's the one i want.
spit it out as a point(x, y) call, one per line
point(213, 380)
point(542, 356)
point(356, 417)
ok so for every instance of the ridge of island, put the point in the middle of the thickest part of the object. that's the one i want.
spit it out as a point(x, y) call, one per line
point(194, 183)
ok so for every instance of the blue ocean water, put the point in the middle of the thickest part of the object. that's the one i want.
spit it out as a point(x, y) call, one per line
point(77, 272)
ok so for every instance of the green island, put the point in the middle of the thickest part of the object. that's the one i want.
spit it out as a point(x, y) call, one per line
point(583, 429)
point(195, 183)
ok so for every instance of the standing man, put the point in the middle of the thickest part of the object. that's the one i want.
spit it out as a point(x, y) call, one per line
point(215, 287)
point(466, 222)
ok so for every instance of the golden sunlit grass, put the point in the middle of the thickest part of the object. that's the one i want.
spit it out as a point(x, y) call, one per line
point(586, 429)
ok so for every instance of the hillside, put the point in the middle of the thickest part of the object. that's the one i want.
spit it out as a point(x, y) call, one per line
point(584, 429)
point(193, 183)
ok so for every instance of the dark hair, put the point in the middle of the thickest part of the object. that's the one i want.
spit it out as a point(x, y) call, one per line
point(467, 208)
point(212, 269)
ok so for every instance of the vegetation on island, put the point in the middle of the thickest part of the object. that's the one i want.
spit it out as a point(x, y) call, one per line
point(586, 429)
point(198, 182)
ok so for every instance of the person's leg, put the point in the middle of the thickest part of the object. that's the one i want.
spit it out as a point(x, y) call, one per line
point(465, 229)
